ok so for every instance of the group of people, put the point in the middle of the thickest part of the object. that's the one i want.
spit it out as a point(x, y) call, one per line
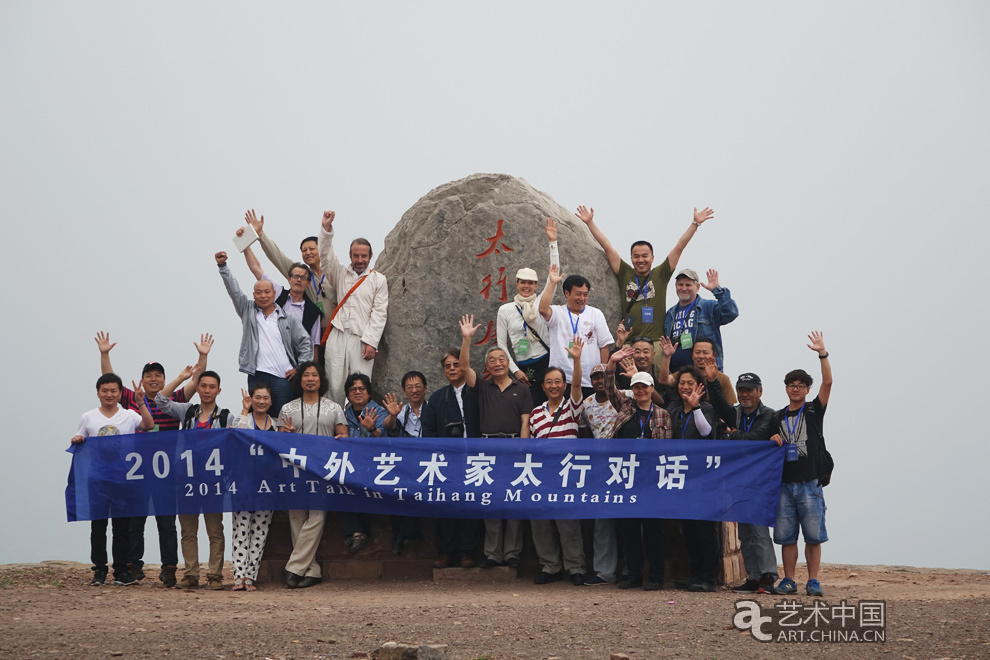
point(555, 371)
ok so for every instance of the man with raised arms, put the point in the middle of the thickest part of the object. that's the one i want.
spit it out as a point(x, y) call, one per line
point(643, 287)
point(357, 323)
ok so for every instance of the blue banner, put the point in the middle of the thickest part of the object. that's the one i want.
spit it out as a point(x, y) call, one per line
point(209, 471)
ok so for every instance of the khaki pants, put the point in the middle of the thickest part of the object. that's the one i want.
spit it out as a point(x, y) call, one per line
point(307, 530)
point(555, 537)
point(189, 524)
point(503, 539)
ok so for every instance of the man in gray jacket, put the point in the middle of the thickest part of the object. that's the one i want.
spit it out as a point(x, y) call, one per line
point(273, 343)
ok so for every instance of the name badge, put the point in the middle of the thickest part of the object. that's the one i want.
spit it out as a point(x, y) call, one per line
point(792, 452)
point(319, 304)
point(686, 340)
point(522, 348)
point(647, 315)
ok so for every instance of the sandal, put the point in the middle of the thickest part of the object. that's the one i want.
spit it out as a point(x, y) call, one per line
point(358, 542)
point(238, 584)
point(249, 585)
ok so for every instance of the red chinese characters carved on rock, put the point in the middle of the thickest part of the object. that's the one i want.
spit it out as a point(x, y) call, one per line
point(503, 297)
point(496, 245)
point(489, 335)
point(495, 242)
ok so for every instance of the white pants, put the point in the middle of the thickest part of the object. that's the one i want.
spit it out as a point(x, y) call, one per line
point(307, 530)
point(342, 357)
point(249, 535)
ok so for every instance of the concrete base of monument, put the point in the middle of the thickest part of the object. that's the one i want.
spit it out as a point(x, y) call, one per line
point(377, 560)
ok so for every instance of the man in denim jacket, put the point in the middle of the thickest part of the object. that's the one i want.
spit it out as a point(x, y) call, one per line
point(693, 319)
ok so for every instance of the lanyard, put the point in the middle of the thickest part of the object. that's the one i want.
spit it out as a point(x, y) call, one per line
point(685, 422)
point(213, 415)
point(746, 427)
point(645, 286)
point(643, 420)
point(302, 411)
point(525, 327)
point(255, 420)
point(148, 404)
point(574, 324)
point(317, 287)
point(797, 420)
point(687, 312)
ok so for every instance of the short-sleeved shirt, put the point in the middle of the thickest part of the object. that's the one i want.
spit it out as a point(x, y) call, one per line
point(320, 418)
point(599, 417)
point(807, 436)
point(683, 322)
point(502, 410)
point(163, 421)
point(591, 326)
point(408, 423)
point(94, 423)
point(542, 424)
point(656, 292)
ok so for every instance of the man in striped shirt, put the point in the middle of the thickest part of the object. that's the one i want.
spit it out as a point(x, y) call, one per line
point(559, 418)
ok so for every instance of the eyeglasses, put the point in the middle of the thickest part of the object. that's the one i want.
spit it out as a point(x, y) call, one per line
point(797, 386)
point(416, 386)
point(358, 388)
point(298, 277)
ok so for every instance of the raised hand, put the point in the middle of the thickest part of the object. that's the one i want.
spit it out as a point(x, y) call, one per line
point(817, 342)
point(287, 426)
point(711, 369)
point(702, 215)
point(103, 342)
point(574, 350)
point(138, 392)
point(392, 405)
point(205, 344)
point(620, 355)
point(666, 347)
point(694, 396)
point(251, 219)
point(468, 328)
point(245, 401)
point(621, 334)
point(239, 232)
point(328, 217)
point(221, 258)
point(368, 419)
point(585, 214)
point(629, 367)
point(551, 230)
point(555, 276)
point(189, 371)
point(712, 279)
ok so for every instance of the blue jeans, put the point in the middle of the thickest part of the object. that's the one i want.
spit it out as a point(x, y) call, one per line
point(282, 391)
point(801, 506)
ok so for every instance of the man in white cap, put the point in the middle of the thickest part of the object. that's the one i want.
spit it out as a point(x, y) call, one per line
point(694, 319)
point(520, 330)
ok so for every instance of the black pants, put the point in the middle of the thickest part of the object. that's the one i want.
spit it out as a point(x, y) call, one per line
point(701, 539)
point(119, 547)
point(406, 526)
point(634, 532)
point(168, 541)
point(458, 536)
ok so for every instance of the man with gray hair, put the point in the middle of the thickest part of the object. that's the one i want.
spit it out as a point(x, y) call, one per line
point(355, 326)
point(693, 319)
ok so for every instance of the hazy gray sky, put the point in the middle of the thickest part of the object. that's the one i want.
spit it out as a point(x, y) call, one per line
point(843, 146)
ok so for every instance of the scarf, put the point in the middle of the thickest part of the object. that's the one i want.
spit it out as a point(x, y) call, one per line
point(528, 305)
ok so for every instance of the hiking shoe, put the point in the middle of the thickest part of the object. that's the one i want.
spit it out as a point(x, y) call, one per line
point(653, 585)
point(747, 587)
point(123, 579)
point(467, 562)
point(684, 584)
point(814, 588)
point(512, 562)
point(631, 583)
point(787, 586)
point(167, 576)
point(490, 563)
point(215, 582)
point(597, 580)
point(99, 577)
point(188, 582)
point(702, 586)
point(546, 578)
point(766, 583)
point(137, 572)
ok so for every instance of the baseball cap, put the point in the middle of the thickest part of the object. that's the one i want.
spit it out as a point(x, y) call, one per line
point(641, 377)
point(749, 381)
point(686, 272)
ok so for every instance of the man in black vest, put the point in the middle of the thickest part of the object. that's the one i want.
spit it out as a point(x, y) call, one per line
point(292, 299)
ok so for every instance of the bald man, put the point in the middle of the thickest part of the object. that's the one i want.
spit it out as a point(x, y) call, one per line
point(273, 343)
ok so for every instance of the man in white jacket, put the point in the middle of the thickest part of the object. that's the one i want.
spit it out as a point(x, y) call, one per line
point(359, 319)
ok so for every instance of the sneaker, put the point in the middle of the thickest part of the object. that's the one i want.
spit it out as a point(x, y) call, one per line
point(123, 579)
point(702, 586)
point(546, 578)
point(167, 576)
point(814, 588)
point(631, 583)
point(766, 583)
point(748, 587)
point(786, 586)
point(577, 579)
point(595, 581)
point(136, 571)
point(215, 582)
point(188, 582)
point(99, 577)
point(653, 585)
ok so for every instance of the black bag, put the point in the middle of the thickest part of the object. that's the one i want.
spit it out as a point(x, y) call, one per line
point(825, 465)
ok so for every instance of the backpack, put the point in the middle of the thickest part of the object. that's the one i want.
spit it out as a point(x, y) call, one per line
point(825, 465)
point(188, 422)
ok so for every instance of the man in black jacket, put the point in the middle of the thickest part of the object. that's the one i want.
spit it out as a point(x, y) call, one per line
point(452, 412)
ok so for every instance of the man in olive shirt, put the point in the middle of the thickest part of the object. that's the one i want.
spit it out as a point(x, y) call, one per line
point(642, 287)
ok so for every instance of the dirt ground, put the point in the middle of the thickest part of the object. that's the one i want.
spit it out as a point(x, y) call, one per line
point(48, 610)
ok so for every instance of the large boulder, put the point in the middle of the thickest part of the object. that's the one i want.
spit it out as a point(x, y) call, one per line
point(456, 251)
